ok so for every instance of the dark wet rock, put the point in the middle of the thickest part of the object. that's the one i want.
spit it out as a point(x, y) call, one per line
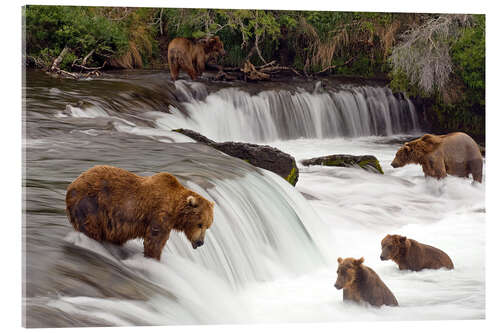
point(367, 162)
point(308, 196)
point(196, 136)
point(262, 156)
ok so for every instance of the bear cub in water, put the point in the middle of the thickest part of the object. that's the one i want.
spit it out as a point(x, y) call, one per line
point(361, 284)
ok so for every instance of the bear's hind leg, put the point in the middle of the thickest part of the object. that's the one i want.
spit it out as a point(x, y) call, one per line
point(174, 69)
point(83, 217)
point(476, 168)
point(188, 68)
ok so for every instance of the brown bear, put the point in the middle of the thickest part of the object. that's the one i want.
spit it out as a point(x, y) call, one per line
point(114, 205)
point(412, 255)
point(456, 154)
point(362, 284)
point(191, 56)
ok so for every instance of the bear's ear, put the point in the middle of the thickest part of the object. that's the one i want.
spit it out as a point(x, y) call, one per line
point(205, 41)
point(339, 260)
point(359, 261)
point(192, 201)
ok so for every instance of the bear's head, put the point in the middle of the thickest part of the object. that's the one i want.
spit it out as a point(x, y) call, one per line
point(213, 46)
point(347, 271)
point(196, 216)
point(414, 151)
point(403, 156)
point(393, 246)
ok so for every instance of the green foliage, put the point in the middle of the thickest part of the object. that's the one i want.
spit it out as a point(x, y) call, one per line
point(400, 83)
point(468, 55)
point(51, 28)
point(354, 43)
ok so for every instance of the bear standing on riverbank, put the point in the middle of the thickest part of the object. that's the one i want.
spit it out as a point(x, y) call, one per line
point(412, 255)
point(191, 56)
point(111, 204)
point(361, 283)
point(456, 154)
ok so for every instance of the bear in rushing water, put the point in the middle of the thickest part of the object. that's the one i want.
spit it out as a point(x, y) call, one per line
point(362, 284)
point(191, 56)
point(111, 204)
point(455, 154)
point(412, 255)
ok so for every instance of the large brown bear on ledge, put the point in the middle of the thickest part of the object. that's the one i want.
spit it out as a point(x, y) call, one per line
point(456, 154)
point(111, 204)
point(362, 284)
point(191, 56)
point(412, 255)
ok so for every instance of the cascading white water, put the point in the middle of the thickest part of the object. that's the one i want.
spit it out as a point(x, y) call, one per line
point(270, 255)
point(264, 230)
point(270, 115)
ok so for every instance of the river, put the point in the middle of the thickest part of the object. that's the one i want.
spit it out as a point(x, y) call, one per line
point(271, 253)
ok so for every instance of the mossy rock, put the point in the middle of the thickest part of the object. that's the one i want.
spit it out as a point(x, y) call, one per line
point(293, 177)
point(366, 162)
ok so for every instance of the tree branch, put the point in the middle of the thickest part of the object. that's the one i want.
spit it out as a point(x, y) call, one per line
point(57, 61)
point(334, 66)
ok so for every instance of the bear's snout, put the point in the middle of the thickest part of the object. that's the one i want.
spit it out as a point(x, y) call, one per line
point(197, 243)
point(337, 286)
point(394, 164)
point(382, 257)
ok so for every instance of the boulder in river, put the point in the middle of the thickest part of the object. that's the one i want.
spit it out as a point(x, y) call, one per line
point(262, 156)
point(367, 162)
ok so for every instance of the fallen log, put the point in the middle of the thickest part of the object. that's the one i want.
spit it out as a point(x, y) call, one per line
point(252, 74)
point(263, 72)
point(55, 71)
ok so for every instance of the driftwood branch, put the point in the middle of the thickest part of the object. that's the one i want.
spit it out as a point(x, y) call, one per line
point(36, 62)
point(85, 68)
point(58, 72)
point(263, 72)
point(58, 59)
point(274, 69)
point(334, 66)
point(84, 61)
point(252, 74)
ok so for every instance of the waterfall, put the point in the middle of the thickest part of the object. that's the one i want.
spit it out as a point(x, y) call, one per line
point(271, 115)
point(263, 230)
point(270, 255)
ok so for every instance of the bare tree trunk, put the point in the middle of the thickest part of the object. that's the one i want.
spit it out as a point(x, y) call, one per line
point(258, 50)
point(57, 61)
point(161, 23)
point(84, 61)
